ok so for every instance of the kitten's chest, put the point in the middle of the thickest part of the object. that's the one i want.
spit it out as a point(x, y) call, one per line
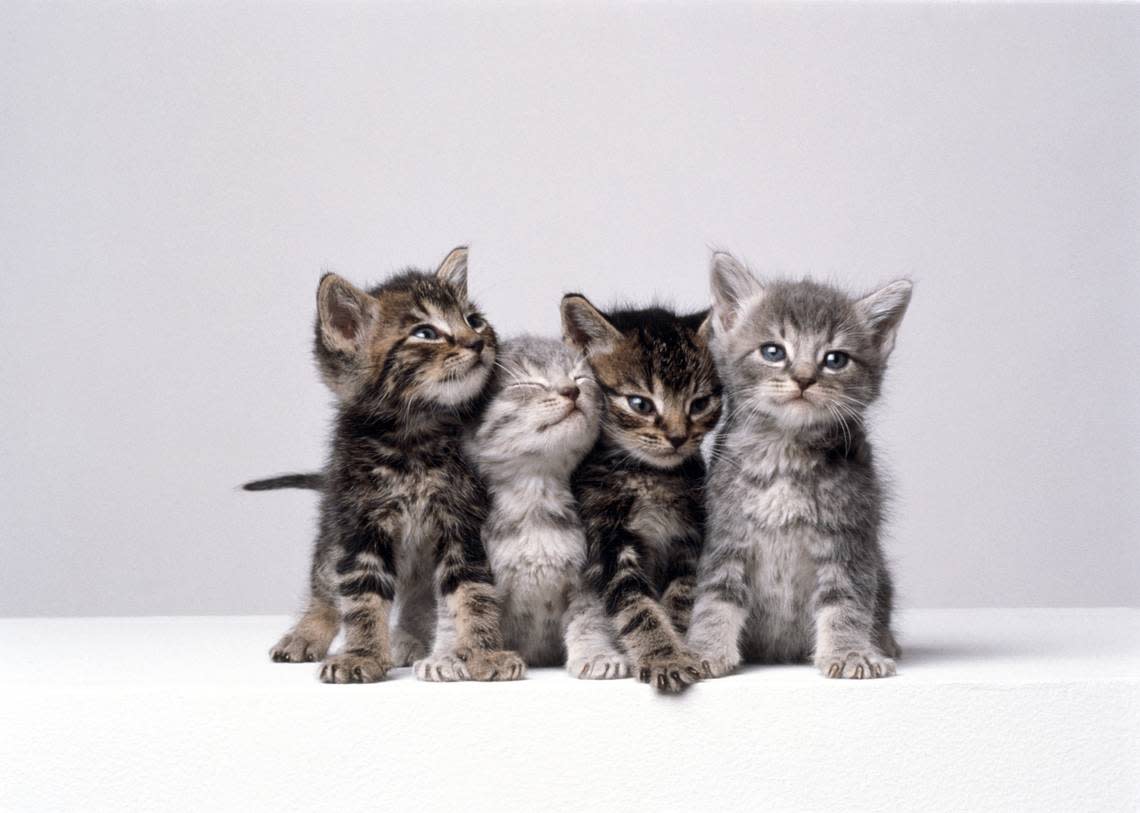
point(661, 515)
point(777, 483)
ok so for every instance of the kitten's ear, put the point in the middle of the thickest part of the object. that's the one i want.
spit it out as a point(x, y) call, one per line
point(884, 311)
point(732, 286)
point(584, 328)
point(704, 332)
point(346, 314)
point(453, 270)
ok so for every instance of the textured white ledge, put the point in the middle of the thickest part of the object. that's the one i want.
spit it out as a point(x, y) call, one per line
point(992, 709)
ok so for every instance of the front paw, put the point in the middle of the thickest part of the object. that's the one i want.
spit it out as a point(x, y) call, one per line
point(671, 673)
point(855, 664)
point(441, 669)
point(714, 666)
point(605, 666)
point(296, 648)
point(488, 664)
point(347, 668)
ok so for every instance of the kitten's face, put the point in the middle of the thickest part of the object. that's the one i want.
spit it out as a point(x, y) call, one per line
point(414, 339)
point(800, 352)
point(662, 394)
point(545, 409)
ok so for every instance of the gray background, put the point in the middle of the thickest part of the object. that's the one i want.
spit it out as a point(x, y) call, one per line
point(173, 179)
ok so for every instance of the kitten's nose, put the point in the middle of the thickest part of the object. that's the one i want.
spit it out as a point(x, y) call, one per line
point(476, 345)
point(804, 382)
point(677, 440)
point(570, 391)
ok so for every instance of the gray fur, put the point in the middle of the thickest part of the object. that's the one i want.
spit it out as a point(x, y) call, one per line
point(792, 567)
point(541, 421)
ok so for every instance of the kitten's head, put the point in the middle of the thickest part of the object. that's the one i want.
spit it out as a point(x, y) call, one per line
point(661, 391)
point(803, 353)
point(544, 411)
point(413, 340)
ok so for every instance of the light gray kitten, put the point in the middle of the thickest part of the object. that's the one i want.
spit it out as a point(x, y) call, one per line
point(792, 566)
point(541, 421)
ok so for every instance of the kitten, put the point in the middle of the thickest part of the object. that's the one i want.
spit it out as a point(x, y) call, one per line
point(540, 422)
point(793, 568)
point(640, 489)
point(401, 509)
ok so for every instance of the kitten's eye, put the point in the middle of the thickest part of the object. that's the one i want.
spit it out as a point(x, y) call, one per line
point(699, 405)
point(835, 360)
point(642, 406)
point(476, 322)
point(773, 352)
point(426, 332)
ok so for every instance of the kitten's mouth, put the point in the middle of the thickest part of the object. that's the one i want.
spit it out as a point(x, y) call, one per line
point(570, 413)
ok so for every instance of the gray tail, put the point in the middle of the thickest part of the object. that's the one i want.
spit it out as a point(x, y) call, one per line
point(313, 480)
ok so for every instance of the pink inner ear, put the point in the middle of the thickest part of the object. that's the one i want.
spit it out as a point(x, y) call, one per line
point(344, 321)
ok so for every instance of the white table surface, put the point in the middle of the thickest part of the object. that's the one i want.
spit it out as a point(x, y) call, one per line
point(992, 709)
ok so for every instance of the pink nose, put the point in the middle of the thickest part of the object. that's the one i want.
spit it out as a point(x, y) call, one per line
point(570, 392)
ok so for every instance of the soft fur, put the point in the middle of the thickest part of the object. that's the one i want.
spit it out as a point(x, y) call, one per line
point(640, 489)
point(793, 568)
point(398, 558)
point(541, 421)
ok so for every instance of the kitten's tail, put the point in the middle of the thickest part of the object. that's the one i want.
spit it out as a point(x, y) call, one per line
point(314, 480)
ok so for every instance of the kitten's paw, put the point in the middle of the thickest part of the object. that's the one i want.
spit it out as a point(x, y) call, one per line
point(441, 669)
point(671, 673)
point(406, 649)
point(296, 648)
point(487, 664)
point(857, 664)
point(607, 666)
point(346, 668)
point(714, 666)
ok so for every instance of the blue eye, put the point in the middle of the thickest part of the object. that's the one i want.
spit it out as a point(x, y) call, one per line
point(425, 332)
point(835, 360)
point(642, 406)
point(773, 352)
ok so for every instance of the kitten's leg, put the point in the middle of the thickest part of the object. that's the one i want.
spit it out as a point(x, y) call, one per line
point(309, 639)
point(721, 607)
point(844, 603)
point(468, 640)
point(680, 581)
point(366, 583)
point(643, 627)
point(590, 650)
point(884, 606)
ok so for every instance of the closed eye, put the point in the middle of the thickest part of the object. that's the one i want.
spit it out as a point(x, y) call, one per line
point(526, 384)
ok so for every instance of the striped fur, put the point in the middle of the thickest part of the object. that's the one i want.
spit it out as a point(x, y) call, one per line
point(793, 568)
point(640, 489)
point(398, 561)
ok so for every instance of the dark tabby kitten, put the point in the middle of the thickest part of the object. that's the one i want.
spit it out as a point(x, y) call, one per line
point(409, 361)
point(640, 489)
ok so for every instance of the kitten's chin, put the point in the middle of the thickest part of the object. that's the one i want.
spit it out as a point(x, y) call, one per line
point(456, 391)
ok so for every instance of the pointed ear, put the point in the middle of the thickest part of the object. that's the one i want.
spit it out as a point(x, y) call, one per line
point(704, 332)
point(346, 314)
point(453, 270)
point(884, 310)
point(733, 285)
point(584, 328)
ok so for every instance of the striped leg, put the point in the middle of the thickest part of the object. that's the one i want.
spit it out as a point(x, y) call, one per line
point(366, 579)
point(844, 603)
point(643, 626)
point(468, 640)
point(721, 605)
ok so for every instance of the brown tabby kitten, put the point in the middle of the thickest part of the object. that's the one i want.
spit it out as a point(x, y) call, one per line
point(401, 511)
point(640, 489)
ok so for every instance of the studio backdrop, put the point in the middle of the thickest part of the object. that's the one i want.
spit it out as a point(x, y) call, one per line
point(174, 178)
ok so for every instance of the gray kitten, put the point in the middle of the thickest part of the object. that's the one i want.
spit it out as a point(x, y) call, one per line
point(792, 566)
point(540, 423)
